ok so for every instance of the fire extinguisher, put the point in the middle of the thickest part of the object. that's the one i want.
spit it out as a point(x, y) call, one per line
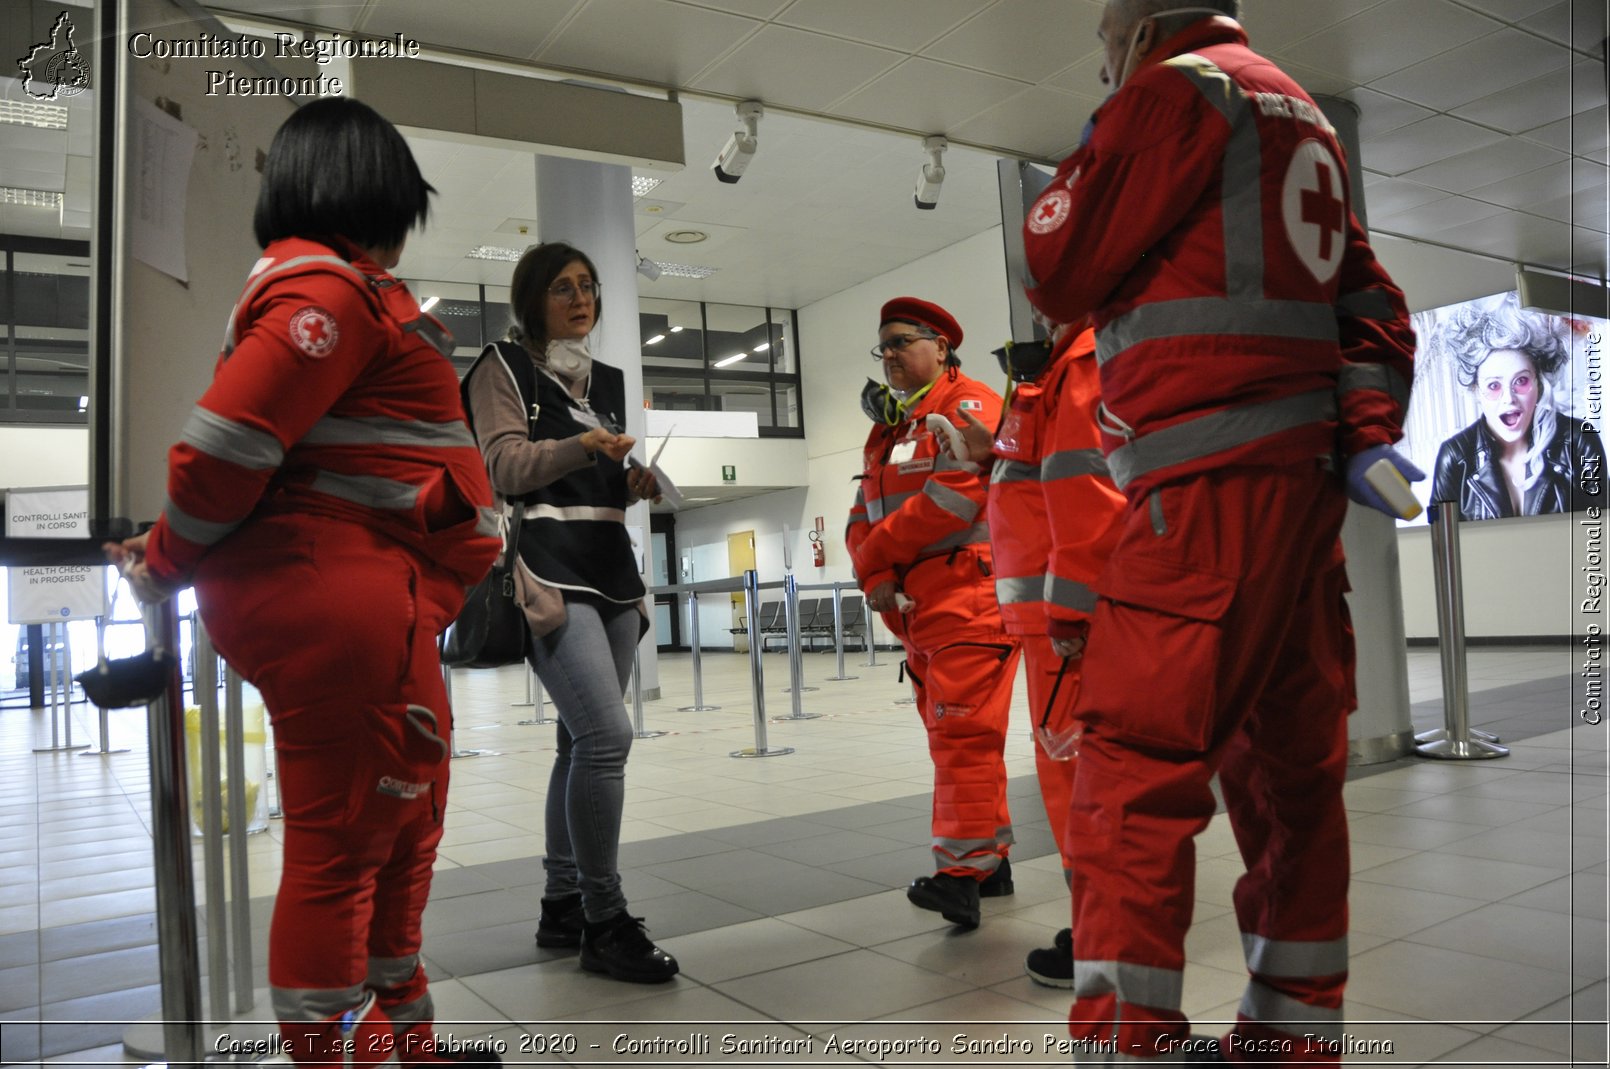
point(818, 553)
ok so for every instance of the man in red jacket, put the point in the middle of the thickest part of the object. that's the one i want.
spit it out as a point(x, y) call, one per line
point(1255, 361)
point(921, 552)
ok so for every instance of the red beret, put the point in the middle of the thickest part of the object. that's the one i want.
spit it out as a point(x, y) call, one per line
point(925, 314)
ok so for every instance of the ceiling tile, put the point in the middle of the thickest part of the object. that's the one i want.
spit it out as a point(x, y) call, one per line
point(1388, 38)
point(1484, 166)
point(996, 42)
point(1580, 134)
point(1422, 143)
point(921, 94)
point(1508, 10)
point(1039, 121)
point(1514, 235)
point(807, 70)
point(1084, 76)
point(1381, 114)
point(1578, 23)
point(903, 24)
point(503, 28)
point(1426, 219)
point(336, 15)
point(1539, 101)
point(755, 9)
point(1273, 24)
point(1523, 190)
point(1389, 196)
point(1475, 70)
point(645, 40)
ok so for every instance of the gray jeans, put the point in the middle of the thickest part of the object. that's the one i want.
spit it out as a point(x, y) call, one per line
point(584, 666)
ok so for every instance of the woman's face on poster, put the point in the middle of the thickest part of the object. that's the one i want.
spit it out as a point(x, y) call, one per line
point(1507, 387)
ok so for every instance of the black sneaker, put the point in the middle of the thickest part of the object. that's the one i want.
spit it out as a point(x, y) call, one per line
point(561, 921)
point(621, 947)
point(998, 884)
point(1052, 966)
point(954, 898)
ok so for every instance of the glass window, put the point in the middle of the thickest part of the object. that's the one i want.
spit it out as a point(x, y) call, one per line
point(738, 337)
point(727, 396)
point(458, 306)
point(783, 361)
point(676, 393)
point(47, 351)
point(788, 414)
point(672, 334)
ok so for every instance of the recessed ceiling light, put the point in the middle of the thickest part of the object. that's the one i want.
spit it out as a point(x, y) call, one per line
point(686, 237)
point(33, 198)
point(429, 303)
point(684, 270)
point(763, 346)
point(642, 184)
point(676, 330)
point(493, 252)
point(655, 340)
point(32, 113)
point(731, 359)
point(653, 209)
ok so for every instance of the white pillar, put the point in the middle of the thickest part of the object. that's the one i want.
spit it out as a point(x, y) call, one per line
point(1380, 730)
point(589, 205)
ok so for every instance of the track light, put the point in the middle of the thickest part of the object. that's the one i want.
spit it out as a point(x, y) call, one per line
point(648, 268)
point(740, 147)
point(933, 173)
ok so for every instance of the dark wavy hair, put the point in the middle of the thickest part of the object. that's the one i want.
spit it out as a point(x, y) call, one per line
point(528, 290)
point(337, 168)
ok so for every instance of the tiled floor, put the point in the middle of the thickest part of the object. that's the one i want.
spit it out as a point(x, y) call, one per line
point(1478, 901)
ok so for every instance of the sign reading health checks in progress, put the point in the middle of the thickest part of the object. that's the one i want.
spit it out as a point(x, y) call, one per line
point(50, 594)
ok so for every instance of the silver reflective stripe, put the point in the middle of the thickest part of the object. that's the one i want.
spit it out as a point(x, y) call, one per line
point(315, 1003)
point(1069, 594)
point(378, 430)
point(1373, 377)
point(976, 854)
point(1192, 316)
point(229, 440)
point(1212, 82)
point(567, 513)
point(191, 529)
point(370, 490)
point(1267, 1006)
point(488, 522)
point(1241, 208)
point(1138, 985)
point(978, 532)
point(1367, 304)
point(424, 721)
point(421, 1010)
point(392, 972)
point(1072, 463)
point(1014, 471)
point(954, 502)
point(879, 507)
point(1217, 432)
point(945, 462)
point(1018, 589)
point(436, 336)
point(256, 283)
point(1279, 957)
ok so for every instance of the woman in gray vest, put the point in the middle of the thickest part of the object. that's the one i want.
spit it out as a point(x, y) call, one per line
point(548, 418)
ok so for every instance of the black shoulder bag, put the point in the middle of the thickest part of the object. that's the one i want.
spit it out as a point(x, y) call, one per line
point(491, 628)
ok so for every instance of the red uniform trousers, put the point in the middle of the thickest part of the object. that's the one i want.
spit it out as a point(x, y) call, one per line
point(336, 624)
point(1041, 665)
point(961, 663)
point(1220, 643)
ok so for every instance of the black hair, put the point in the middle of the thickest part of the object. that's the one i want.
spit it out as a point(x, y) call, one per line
point(337, 168)
point(528, 290)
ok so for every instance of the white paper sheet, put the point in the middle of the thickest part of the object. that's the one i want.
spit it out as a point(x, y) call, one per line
point(164, 148)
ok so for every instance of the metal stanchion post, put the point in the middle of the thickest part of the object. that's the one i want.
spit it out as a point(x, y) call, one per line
point(871, 637)
point(212, 821)
point(239, 879)
point(533, 689)
point(102, 714)
point(178, 956)
point(637, 701)
point(838, 632)
point(698, 705)
point(452, 736)
point(757, 675)
point(57, 669)
point(530, 699)
point(1457, 742)
point(796, 662)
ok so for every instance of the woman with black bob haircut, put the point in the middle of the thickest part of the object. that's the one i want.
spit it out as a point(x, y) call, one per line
point(328, 504)
point(577, 580)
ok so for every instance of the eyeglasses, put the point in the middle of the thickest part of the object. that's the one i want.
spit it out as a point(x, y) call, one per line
point(567, 292)
point(897, 344)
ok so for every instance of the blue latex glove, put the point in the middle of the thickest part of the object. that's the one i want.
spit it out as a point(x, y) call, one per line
point(1359, 489)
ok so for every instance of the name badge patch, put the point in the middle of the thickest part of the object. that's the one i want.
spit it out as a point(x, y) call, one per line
point(912, 467)
point(902, 452)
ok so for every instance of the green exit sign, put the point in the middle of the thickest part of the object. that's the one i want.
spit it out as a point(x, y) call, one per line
point(729, 473)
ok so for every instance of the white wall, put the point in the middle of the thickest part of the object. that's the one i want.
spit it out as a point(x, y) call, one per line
point(43, 456)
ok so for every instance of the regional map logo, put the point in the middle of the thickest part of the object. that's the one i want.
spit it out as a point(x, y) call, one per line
point(55, 69)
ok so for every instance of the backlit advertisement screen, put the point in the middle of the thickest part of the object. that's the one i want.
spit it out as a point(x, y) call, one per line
point(1506, 409)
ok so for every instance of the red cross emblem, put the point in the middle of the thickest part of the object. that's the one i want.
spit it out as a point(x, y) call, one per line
point(1314, 209)
point(314, 331)
point(1051, 211)
point(1323, 209)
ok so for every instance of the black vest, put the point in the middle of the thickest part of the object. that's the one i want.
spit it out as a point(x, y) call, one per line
point(561, 548)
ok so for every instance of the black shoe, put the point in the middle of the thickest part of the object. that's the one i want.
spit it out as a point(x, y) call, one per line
point(1052, 966)
point(999, 883)
point(954, 898)
point(621, 947)
point(561, 921)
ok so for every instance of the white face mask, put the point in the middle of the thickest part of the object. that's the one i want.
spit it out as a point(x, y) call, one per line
point(1134, 38)
point(569, 356)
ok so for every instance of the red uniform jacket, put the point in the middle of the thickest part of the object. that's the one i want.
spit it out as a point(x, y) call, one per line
point(333, 396)
point(1052, 506)
point(915, 502)
point(1206, 228)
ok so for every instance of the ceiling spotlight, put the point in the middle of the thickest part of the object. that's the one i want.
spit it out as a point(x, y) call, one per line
point(933, 173)
point(648, 268)
point(740, 147)
point(642, 185)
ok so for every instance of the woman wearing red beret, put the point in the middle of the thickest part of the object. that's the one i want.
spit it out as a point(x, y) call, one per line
point(921, 553)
